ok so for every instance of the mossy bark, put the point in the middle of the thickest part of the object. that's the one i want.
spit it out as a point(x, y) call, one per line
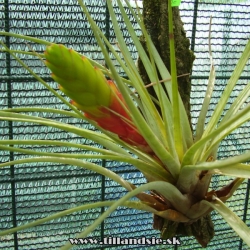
point(155, 14)
point(202, 229)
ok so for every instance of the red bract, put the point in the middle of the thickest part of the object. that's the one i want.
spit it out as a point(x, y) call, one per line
point(115, 119)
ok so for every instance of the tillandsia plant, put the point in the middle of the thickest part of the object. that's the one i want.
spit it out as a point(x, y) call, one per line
point(177, 164)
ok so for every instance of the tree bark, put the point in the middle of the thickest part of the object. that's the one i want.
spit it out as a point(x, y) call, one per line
point(155, 14)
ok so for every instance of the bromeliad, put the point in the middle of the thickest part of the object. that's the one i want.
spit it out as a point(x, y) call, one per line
point(91, 92)
point(179, 165)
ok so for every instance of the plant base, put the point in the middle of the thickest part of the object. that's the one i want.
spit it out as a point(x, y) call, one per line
point(202, 229)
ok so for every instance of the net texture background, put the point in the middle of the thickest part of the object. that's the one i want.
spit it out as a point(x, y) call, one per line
point(33, 191)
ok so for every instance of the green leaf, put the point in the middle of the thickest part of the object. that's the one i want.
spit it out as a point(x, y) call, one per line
point(43, 110)
point(152, 116)
point(40, 79)
point(193, 154)
point(210, 86)
point(132, 149)
point(187, 132)
point(97, 137)
point(213, 123)
point(27, 38)
point(73, 162)
point(231, 218)
point(168, 111)
point(153, 170)
point(225, 162)
point(164, 102)
point(153, 141)
point(232, 124)
point(52, 143)
point(171, 193)
point(129, 204)
point(234, 108)
point(230, 165)
point(228, 90)
point(175, 94)
point(237, 170)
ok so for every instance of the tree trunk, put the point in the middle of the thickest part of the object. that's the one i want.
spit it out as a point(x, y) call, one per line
point(155, 14)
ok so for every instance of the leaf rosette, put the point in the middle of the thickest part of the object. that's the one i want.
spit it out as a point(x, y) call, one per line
point(177, 164)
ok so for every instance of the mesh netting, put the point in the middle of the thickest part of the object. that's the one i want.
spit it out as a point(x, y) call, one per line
point(35, 190)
